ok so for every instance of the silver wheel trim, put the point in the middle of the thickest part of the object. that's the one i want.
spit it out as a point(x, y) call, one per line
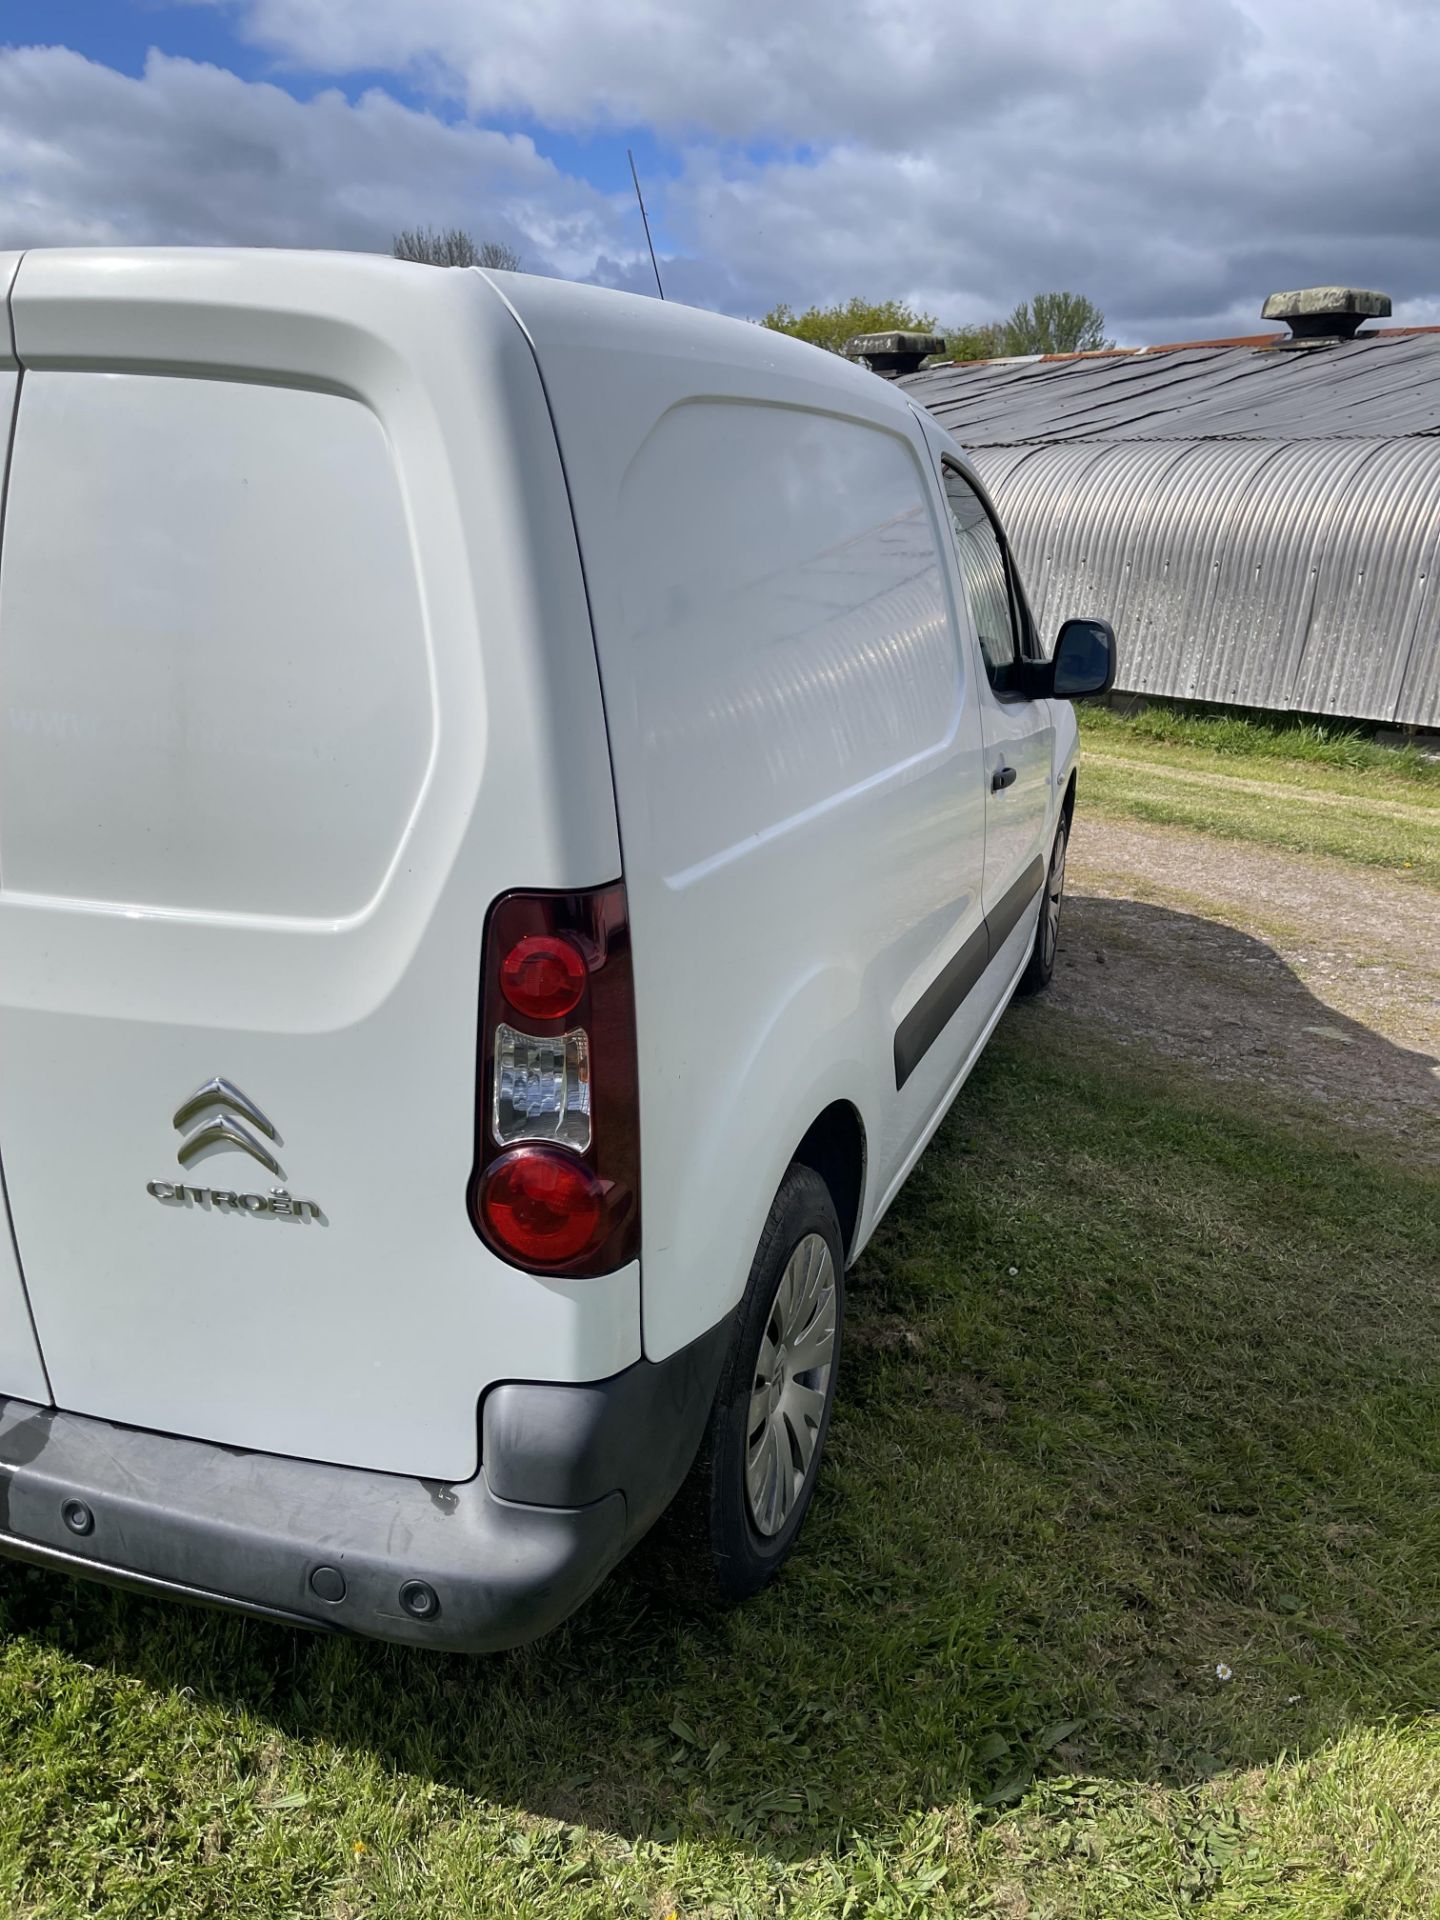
point(791, 1385)
point(1054, 890)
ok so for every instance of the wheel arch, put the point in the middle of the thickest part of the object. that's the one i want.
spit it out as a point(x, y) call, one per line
point(834, 1147)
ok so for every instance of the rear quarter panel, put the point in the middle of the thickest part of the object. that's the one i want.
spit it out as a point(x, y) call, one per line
point(791, 738)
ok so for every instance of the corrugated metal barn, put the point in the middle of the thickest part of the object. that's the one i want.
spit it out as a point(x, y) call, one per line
point(1261, 522)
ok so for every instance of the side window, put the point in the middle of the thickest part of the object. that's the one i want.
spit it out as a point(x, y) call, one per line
point(982, 568)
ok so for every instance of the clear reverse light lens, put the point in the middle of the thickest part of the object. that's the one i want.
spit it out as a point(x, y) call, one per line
point(542, 1088)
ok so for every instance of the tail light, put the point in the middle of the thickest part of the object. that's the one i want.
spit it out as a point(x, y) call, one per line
point(556, 1185)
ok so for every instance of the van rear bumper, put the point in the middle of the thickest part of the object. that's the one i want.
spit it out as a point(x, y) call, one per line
point(571, 1476)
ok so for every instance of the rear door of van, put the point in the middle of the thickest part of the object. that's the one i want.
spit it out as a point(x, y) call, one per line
point(296, 678)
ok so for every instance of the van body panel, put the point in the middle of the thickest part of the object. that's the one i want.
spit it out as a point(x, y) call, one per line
point(1019, 735)
point(796, 740)
point(21, 1369)
point(251, 829)
point(1067, 743)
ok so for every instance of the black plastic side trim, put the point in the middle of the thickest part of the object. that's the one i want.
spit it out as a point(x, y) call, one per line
point(940, 1002)
point(937, 1006)
point(1003, 919)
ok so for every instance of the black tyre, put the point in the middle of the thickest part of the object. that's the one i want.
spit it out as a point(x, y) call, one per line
point(755, 1474)
point(1041, 963)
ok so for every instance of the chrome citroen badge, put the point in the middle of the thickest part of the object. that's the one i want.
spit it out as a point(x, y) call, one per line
point(225, 1103)
point(219, 1118)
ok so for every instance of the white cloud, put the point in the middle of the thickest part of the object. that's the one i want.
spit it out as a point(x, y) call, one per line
point(191, 154)
point(1297, 147)
point(804, 71)
point(1175, 163)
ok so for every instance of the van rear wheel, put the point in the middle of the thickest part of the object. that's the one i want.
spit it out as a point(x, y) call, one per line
point(755, 1475)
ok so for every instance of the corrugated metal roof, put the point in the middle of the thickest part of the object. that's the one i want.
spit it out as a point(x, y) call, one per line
point(1374, 643)
point(1291, 575)
point(1262, 525)
point(1383, 387)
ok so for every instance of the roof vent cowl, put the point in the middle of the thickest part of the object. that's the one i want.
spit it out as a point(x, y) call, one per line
point(895, 353)
point(1326, 313)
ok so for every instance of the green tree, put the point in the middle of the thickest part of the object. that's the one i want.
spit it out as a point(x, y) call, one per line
point(1055, 323)
point(453, 247)
point(978, 340)
point(831, 327)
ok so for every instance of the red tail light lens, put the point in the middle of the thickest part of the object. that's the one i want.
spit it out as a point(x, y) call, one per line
point(556, 1182)
point(543, 976)
point(544, 1206)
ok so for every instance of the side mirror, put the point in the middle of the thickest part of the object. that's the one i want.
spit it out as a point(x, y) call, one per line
point(1085, 659)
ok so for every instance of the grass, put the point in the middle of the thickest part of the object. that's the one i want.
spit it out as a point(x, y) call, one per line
point(1140, 1384)
point(1284, 739)
point(1308, 788)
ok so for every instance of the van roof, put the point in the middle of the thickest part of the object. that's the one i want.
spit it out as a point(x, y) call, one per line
point(630, 323)
point(621, 322)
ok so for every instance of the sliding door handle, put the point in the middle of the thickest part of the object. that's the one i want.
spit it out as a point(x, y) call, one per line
point(1002, 777)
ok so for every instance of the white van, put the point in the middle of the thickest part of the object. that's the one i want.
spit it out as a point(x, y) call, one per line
point(519, 808)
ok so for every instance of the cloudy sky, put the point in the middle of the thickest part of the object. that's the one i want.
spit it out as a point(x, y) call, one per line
point(1173, 161)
